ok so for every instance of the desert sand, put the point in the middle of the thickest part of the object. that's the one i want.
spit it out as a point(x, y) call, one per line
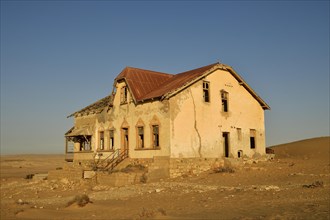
point(294, 185)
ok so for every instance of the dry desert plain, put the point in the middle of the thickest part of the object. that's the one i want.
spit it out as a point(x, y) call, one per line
point(294, 185)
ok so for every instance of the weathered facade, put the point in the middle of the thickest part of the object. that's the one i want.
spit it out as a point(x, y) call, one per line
point(209, 112)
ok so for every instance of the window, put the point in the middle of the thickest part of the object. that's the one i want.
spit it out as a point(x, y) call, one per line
point(224, 101)
point(206, 91)
point(155, 136)
point(101, 140)
point(239, 134)
point(140, 137)
point(252, 139)
point(123, 95)
point(111, 140)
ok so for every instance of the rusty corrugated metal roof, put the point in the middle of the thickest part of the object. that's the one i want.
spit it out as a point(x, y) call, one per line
point(177, 81)
point(146, 85)
point(142, 82)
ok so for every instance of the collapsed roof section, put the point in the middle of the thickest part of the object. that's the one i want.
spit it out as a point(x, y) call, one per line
point(95, 108)
point(146, 85)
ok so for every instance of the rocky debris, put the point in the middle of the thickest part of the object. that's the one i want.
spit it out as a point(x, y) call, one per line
point(158, 190)
point(80, 200)
point(151, 213)
point(314, 184)
point(40, 176)
point(21, 202)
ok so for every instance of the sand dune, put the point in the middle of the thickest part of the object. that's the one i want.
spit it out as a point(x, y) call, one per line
point(315, 148)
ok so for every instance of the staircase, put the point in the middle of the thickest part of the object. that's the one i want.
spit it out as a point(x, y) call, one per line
point(110, 162)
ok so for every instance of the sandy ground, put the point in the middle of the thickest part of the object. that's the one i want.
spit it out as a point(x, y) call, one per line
point(295, 185)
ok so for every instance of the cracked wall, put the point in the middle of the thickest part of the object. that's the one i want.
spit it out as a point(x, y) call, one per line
point(197, 126)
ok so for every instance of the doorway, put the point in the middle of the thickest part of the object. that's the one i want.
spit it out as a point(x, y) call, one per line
point(225, 136)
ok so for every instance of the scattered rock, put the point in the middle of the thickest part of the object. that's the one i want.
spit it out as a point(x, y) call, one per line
point(64, 181)
point(314, 184)
point(21, 202)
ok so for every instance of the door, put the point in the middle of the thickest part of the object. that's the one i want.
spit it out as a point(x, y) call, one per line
point(225, 138)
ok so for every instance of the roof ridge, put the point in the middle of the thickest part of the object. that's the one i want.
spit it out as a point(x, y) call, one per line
point(177, 76)
point(150, 71)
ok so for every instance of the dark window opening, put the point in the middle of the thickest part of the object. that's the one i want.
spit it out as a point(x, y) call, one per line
point(224, 101)
point(140, 137)
point(225, 136)
point(252, 139)
point(252, 143)
point(155, 136)
point(239, 153)
point(206, 91)
point(111, 140)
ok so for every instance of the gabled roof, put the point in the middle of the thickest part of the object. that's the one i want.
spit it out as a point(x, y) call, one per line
point(177, 81)
point(141, 82)
point(148, 85)
point(96, 107)
point(172, 84)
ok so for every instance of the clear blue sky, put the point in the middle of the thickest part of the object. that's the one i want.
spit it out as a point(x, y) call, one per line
point(60, 56)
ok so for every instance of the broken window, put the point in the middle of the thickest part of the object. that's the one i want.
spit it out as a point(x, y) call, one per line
point(206, 91)
point(123, 95)
point(140, 137)
point(224, 101)
point(252, 139)
point(101, 140)
point(111, 140)
point(155, 136)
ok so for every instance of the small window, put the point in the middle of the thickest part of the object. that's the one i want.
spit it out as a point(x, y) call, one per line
point(155, 136)
point(252, 139)
point(101, 140)
point(206, 91)
point(239, 134)
point(239, 154)
point(111, 140)
point(140, 132)
point(123, 95)
point(224, 101)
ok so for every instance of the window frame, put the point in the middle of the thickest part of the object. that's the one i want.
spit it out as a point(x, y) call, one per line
point(111, 139)
point(224, 101)
point(206, 91)
point(253, 141)
point(124, 95)
point(140, 138)
point(155, 139)
point(101, 140)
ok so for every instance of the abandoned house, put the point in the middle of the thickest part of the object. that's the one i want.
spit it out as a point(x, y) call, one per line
point(206, 114)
